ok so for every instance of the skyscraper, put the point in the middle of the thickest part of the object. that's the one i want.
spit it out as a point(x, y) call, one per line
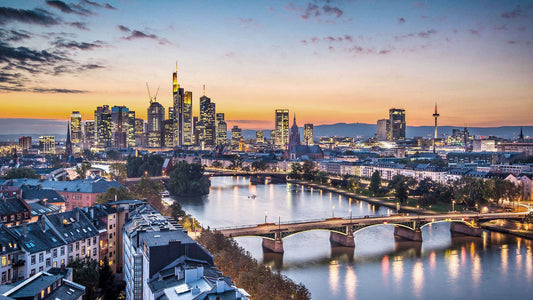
point(178, 98)
point(383, 130)
point(168, 133)
point(25, 142)
point(131, 129)
point(207, 117)
point(89, 134)
point(139, 132)
point(156, 115)
point(259, 137)
point(221, 129)
point(308, 134)
point(75, 127)
point(47, 144)
point(120, 126)
point(236, 136)
point(102, 120)
point(187, 119)
point(397, 124)
point(282, 127)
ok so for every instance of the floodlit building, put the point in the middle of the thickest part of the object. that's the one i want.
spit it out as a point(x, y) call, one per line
point(282, 127)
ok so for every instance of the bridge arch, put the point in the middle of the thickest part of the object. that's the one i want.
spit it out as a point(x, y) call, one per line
point(469, 224)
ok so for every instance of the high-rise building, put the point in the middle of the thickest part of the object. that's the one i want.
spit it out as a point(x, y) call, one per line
point(196, 131)
point(168, 133)
point(207, 117)
point(178, 97)
point(294, 138)
point(156, 115)
point(187, 119)
point(236, 136)
point(89, 134)
point(383, 130)
point(25, 142)
point(259, 137)
point(273, 136)
point(308, 134)
point(221, 129)
point(102, 119)
point(139, 132)
point(171, 114)
point(131, 129)
point(397, 124)
point(47, 144)
point(75, 127)
point(120, 123)
point(282, 127)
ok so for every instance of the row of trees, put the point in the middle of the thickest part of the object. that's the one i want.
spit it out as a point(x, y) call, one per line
point(256, 279)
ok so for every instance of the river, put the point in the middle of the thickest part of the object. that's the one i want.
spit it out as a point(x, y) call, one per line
point(493, 266)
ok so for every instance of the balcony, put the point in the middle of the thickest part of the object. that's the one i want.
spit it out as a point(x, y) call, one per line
point(18, 263)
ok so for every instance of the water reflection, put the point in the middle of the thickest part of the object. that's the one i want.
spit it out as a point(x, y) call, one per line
point(493, 266)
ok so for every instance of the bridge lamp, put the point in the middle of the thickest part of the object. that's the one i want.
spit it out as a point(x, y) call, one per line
point(350, 215)
point(333, 211)
point(453, 205)
point(265, 215)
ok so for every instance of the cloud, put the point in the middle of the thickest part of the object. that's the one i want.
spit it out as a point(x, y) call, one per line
point(330, 39)
point(516, 12)
point(61, 43)
point(246, 21)
point(37, 16)
point(230, 54)
point(427, 34)
point(109, 6)
point(13, 35)
point(69, 9)
point(60, 91)
point(137, 34)
point(401, 21)
point(92, 3)
point(422, 34)
point(502, 27)
point(312, 10)
point(473, 32)
point(332, 10)
point(79, 25)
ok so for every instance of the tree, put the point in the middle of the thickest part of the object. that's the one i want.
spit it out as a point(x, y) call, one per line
point(321, 177)
point(151, 191)
point(473, 191)
point(296, 169)
point(352, 183)
point(113, 193)
point(148, 165)
point(236, 162)
point(375, 183)
point(188, 179)
point(425, 186)
point(113, 155)
point(399, 184)
point(82, 169)
point(308, 170)
point(217, 164)
point(118, 171)
point(20, 173)
point(259, 165)
point(85, 272)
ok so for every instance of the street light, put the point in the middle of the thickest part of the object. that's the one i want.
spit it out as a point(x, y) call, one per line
point(453, 205)
point(333, 211)
point(350, 215)
point(265, 216)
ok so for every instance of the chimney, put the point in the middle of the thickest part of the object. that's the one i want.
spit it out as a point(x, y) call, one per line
point(220, 286)
point(24, 229)
point(43, 224)
point(91, 209)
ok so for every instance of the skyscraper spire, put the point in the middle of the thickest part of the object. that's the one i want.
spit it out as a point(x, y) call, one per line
point(204, 89)
point(521, 136)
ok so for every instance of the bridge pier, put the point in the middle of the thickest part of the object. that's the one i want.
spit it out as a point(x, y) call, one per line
point(275, 246)
point(460, 227)
point(404, 233)
point(342, 239)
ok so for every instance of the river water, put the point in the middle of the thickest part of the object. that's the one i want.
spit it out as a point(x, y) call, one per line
point(441, 267)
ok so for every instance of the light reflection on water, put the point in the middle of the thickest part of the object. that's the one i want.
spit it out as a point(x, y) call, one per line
point(493, 266)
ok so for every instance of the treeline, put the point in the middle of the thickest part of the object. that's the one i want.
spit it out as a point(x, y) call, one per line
point(188, 180)
point(145, 188)
point(147, 165)
point(247, 273)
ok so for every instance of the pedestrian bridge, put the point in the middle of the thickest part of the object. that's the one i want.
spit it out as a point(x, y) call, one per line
point(342, 230)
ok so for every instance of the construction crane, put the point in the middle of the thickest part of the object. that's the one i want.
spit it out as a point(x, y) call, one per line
point(154, 99)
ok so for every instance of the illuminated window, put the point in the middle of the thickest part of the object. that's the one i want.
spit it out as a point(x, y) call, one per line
point(4, 261)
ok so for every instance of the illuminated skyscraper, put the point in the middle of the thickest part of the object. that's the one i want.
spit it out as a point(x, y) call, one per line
point(120, 126)
point(178, 98)
point(207, 118)
point(47, 144)
point(259, 137)
point(383, 130)
point(221, 129)
point(75, 127)
point(282, 127)
point(236, 136)
point(168, 133)
point(156, 116)
point(139, 132)
point(187, 119)
point(308, 134)
point(131, 129)
point(102, 120)
point(89, 134)
point(397, 124)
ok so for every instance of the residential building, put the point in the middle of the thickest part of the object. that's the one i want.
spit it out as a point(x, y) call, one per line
point(45, 286)
point(11, 255)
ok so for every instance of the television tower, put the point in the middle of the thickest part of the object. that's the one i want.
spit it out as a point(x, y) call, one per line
point(435, 115)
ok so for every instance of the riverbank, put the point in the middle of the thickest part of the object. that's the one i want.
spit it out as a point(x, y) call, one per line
point(508, 227)
point(371, 200)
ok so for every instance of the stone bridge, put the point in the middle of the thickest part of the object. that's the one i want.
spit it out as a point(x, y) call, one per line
point(342, 230)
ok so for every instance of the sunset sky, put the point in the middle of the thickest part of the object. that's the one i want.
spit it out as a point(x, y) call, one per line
point(327, 61)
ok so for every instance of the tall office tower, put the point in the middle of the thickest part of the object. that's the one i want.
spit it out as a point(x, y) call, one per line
point(168, 133)
point(259, 137)
point(221, 129)
point(397, 124)
point(130, 133)
point(236, 136)
point(282, 127)
point(25, 142)
point(272, 136)
point(156, 115)
point(171, 114)
point(196, 131)
point(207, 117)
point(89, 135)
point(68, 143)
point(139, 132)
point(308, 134)
point(102, 120)
point(383, 130)
point(120, 126)
point(75, 127)
point(294, 137)
point(178, 98)
point(187, 119)
point(47, 144)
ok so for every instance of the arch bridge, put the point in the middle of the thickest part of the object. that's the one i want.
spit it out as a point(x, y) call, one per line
point(407, 227)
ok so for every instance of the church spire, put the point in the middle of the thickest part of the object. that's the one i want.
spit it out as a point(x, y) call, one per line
point(68, 143)
point(521, 136)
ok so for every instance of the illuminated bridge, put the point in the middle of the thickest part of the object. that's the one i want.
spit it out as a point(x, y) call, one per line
point(342, 230)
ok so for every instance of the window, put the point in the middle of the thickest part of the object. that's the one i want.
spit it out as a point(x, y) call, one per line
point(4, 277)
point(62, 251)
point(4, 260)
point(88, 242)
point(94, 251)
point(40, 268)
point(33, 259)
point(41, 257)
point(62, 262)
point(48, 262)
point(82, 249)
point(70, 248)
point(77, 246)
point(94, 240)
point(32, 272)
point(55, 264)
point(55, 253)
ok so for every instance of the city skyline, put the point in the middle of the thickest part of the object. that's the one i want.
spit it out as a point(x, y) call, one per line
point(342, 61)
